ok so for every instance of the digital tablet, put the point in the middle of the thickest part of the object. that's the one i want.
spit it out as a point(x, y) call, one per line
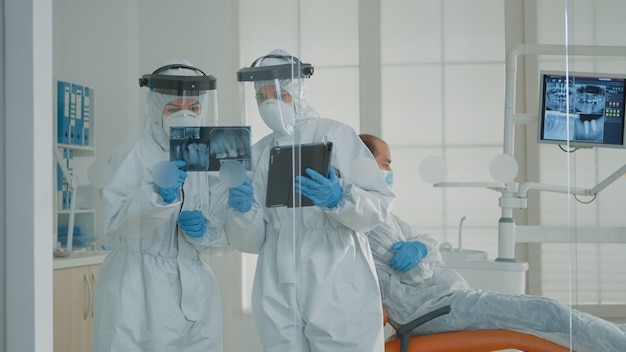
point(288, 161)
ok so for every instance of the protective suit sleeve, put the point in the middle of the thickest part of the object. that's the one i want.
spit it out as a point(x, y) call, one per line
point(131, 202)
point(214, 241)
point(246, 231)
point(426, 267)
point(434, 256)
point(360, 210)
point(365, 200)
point(392, 231)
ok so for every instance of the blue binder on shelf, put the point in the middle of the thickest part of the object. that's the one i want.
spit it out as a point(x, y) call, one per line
point(87, 114)
point(63, 187)
point(63, 194)
point(76, 119)
point(68, 191)
point(63, 112)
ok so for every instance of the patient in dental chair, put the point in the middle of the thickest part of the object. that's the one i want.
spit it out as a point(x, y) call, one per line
point(413, 283)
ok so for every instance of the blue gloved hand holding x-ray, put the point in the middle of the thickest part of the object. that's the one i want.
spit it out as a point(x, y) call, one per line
point(192, 222)
point(170, 194)
point(241, 197)
point(408, 255)
point(322, 191)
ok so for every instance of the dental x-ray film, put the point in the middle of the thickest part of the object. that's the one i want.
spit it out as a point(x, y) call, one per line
point(206, 148)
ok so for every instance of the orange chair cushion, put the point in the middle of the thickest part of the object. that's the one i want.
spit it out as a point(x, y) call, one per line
point(477, 341)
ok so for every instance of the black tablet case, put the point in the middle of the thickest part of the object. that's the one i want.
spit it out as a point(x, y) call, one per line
point(281, 171)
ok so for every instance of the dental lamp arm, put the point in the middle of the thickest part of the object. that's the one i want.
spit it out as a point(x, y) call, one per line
point(527, 186)
point(73, 183)
point(607, 181)
point(524, 188)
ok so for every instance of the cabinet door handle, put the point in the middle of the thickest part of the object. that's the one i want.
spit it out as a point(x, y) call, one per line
point(95, 281)
point(88, 298)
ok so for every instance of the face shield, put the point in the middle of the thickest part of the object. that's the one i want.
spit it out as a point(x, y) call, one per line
point(180, 96)
point(278, 89)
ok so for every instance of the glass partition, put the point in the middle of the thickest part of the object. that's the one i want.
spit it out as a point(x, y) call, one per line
point(164, 93)
point(470, 85)
point(315, 259)
point(452, 87)
point(583, 268)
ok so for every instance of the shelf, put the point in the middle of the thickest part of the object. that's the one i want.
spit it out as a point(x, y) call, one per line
point(76, 147)
point(79, 258)
point(77, 211)
point(496, 186)
point(566, 234)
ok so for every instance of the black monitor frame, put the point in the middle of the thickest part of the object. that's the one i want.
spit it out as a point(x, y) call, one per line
point(595, 105)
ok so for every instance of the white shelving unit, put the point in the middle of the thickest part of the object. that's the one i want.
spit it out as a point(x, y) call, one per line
point(82, 156)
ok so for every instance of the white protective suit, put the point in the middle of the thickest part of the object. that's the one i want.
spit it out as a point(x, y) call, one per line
point(315, 287)
point(155, 292)
point(429, 286)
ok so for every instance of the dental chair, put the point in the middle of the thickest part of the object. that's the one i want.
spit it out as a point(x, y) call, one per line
point(463, 341)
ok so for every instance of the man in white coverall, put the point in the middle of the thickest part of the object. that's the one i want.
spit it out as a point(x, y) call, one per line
point(413, 283)
point(155, 292)
point(315, 269)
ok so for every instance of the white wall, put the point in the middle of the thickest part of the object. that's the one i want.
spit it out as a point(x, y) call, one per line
point(2, 186)
point(28, 219)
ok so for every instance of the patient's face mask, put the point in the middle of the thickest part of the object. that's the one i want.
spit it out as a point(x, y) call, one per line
point(180, 118)
point(388, 176)
point(278, 115)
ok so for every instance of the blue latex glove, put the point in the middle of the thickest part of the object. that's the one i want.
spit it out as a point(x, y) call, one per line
point(322, 191)
point(192, 222)
point(170, 194)
point(408, 255)
point(241, 197)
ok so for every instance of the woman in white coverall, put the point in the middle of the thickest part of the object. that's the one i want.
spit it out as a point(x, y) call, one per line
point(155, 292)
point(413, 283)
point(315, 269)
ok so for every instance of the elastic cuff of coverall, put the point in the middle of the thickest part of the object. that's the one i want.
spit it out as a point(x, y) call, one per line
point(345, 191)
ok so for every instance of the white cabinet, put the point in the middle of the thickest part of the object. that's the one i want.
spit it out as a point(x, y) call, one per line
point(74, 290)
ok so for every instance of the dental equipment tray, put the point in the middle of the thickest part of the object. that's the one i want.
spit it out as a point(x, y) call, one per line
point(288, 161)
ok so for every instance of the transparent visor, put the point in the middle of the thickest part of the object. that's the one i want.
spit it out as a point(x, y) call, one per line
point(273, 85)
point(275, 89)
point(278, 103)
point(183, 100)
point(179, 111)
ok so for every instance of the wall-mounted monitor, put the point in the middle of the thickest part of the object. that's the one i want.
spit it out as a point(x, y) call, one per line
point(586, 109)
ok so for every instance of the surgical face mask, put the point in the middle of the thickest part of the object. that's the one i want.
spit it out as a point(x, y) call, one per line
point(388, 176)
point(278, 115)
point(180, 118)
